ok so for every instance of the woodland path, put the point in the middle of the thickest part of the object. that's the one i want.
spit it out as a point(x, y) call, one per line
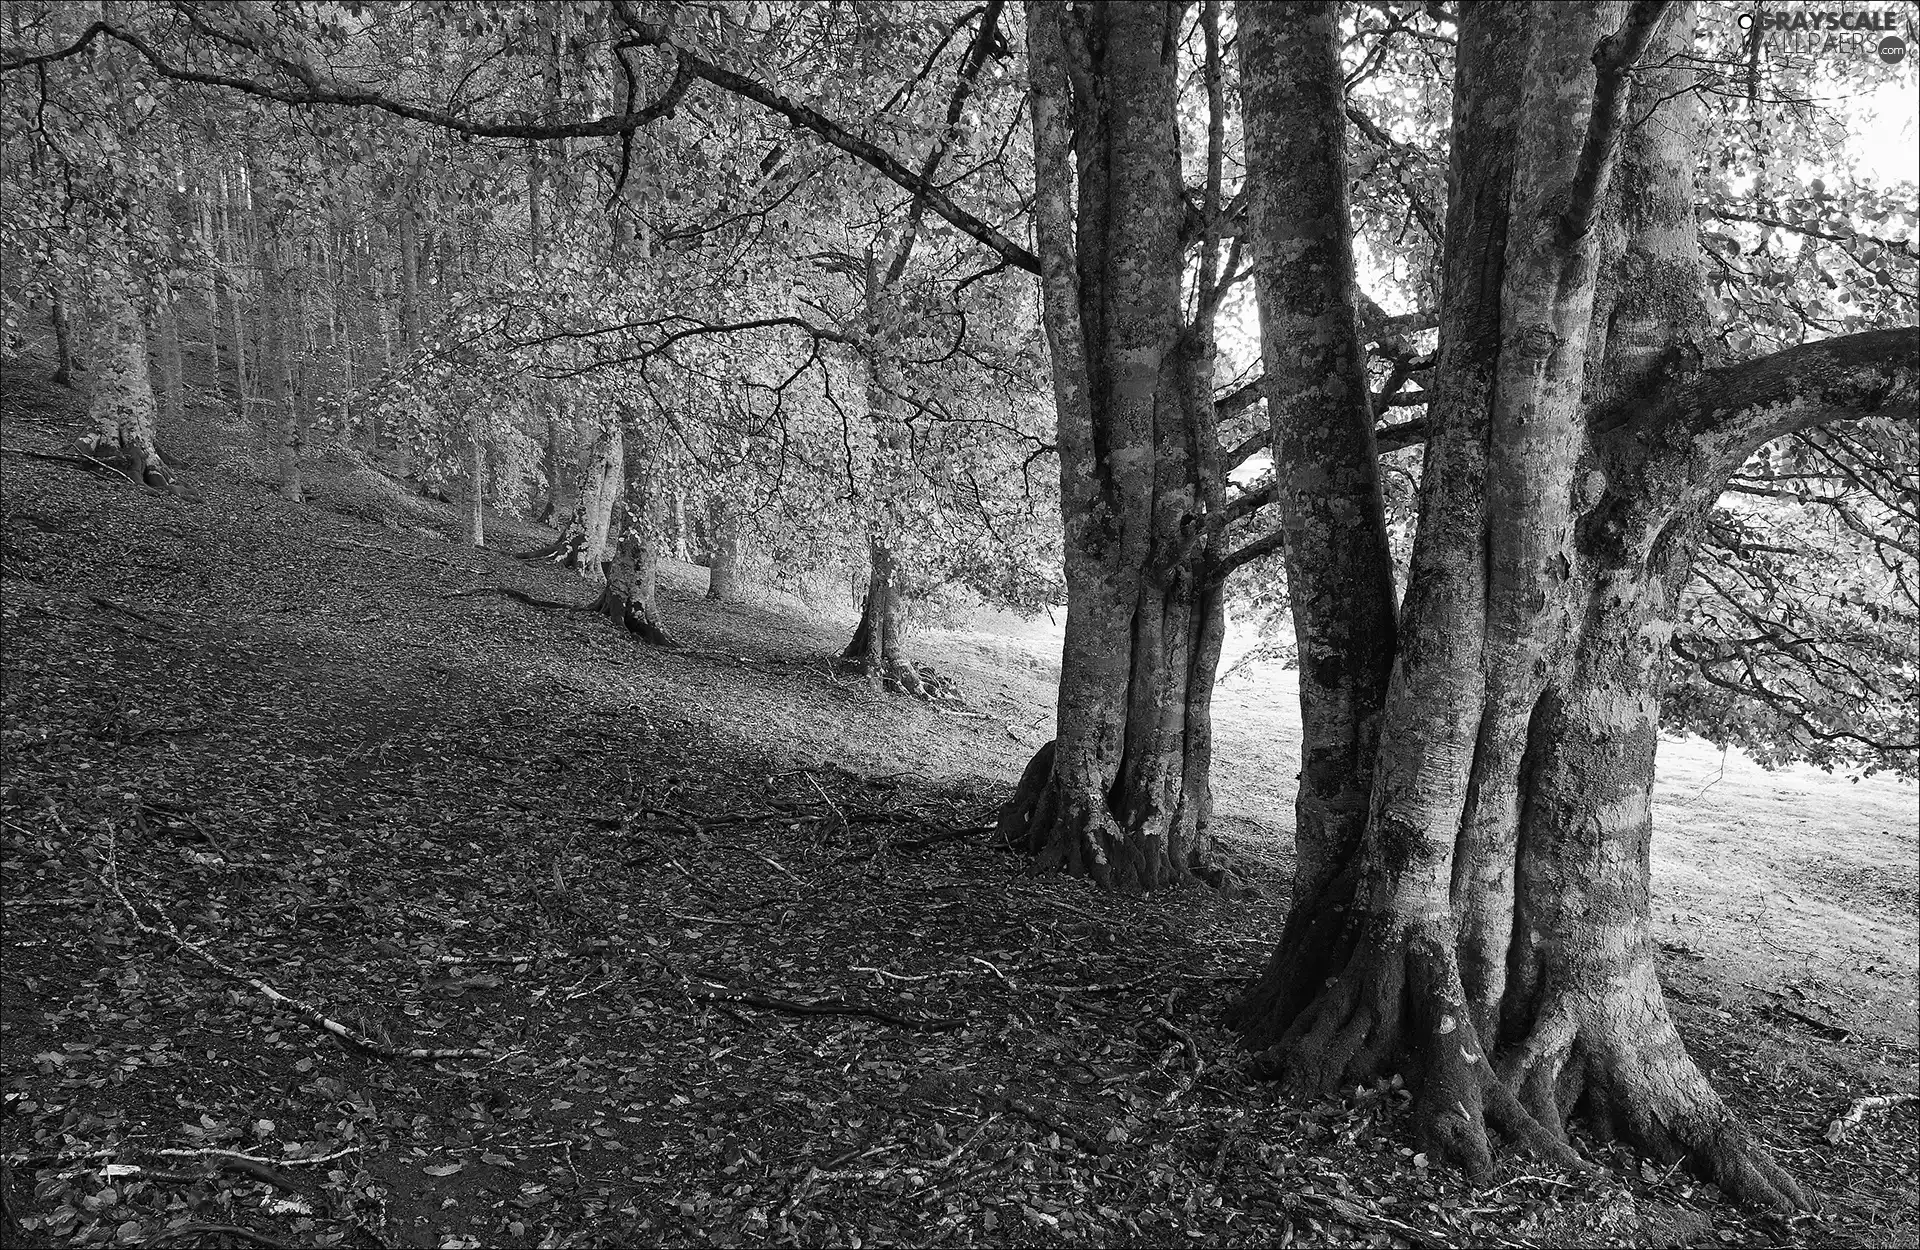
point(641, 882)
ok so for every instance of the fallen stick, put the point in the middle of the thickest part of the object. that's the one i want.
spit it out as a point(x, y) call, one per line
point(169, 1235)
point(1031, 1113)
point(1857, 1111)
point(521, 596)
point(84, 461)
point(308, 1014)
point(122, 608)
point(823, 1007)
point(945, 835)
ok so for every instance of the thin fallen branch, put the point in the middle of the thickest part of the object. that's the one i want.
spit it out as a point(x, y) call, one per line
point(1857, 1111)
point(945, 835)
point(521, 596)
point(824, 1007)
point(197, 1231)
point(1038, 1117)
point(83, 461)
point(308, 1014)
point(1356, 1216)
point(122, 608)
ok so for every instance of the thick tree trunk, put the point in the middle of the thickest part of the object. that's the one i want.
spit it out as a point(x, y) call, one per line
point(630, 597)
point(1490, 936)
point(120, 404)
point(1112, 798)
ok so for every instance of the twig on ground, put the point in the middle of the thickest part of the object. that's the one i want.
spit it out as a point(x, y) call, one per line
point(1032, 1113)
point(823, 1007)
point(945, 835)
point(196, 1231)
point(521, 596)
point(1857, 1111)
point(83, 461)
point(122, 608)
point(314, 1018)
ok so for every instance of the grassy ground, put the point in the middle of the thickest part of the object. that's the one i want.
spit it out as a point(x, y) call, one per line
point(683, 905)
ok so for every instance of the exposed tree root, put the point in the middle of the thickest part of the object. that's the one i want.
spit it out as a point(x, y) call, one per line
point(633, 615)
point(1615, 1053)
point(1397, 1004)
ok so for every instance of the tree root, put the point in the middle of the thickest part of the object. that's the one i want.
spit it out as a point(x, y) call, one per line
point(1399, 1003)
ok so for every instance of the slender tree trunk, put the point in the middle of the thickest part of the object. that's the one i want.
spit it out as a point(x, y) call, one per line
point(203, 225)
point(477, 513)
point(236, 250)
point(64, 365)
point(172, 380)
point(283, 425)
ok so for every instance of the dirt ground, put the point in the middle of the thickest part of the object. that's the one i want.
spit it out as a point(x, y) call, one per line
point(731, 968)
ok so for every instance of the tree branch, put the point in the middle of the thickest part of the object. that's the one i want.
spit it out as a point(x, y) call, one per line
point(1614, 60)
point(314, 91)
point(655, 34)
point(1724, 414)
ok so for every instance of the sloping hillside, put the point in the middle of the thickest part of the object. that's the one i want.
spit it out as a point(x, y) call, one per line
point(718, 958)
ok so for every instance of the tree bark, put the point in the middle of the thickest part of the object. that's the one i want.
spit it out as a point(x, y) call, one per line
point(630, 597)
point(120, 405)
point(1339, 569)
point(276, 363)
point(601, 469)
point(725, 583)
point(1491, 938)
point(64, 361)
point(1112, 797)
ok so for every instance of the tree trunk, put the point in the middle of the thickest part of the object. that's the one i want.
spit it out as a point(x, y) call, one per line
point(1488, 935)
point(1339, 568)
point(283, 423)
point(172, 380)
point(630, 597)
point(724, 581)
point(236, 304)
point(878, 644)
point(120, 404)
point(1112, 797)
point(601, 472)
point(64, 364)
point(477, 515)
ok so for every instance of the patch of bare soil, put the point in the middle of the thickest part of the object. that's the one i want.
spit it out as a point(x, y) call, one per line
point(728, 966)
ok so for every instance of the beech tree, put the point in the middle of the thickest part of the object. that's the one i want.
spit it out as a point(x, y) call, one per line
point(1472, 898)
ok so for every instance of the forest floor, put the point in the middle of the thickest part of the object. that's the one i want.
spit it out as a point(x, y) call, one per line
point(729, 966)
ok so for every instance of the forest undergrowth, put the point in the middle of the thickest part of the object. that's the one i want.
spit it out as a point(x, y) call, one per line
point(707, 982)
